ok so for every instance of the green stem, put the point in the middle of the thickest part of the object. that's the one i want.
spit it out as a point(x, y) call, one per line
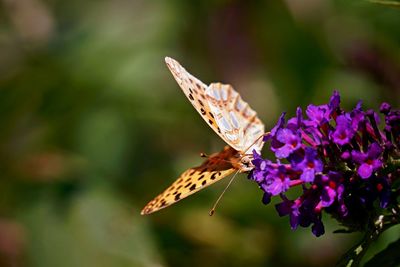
point(353, 256)
point(386, 3)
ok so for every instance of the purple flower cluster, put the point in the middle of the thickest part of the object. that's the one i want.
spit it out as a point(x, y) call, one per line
point(343, 162)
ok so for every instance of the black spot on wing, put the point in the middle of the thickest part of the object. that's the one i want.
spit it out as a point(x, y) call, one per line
point(177, 197)
point(191, 97)
point(193, 187)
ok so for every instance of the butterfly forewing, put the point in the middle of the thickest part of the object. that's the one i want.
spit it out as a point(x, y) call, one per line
point(239, 125)
point(195, 91)
point(215, 168)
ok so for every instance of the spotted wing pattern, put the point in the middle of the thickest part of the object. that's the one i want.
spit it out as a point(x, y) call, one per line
point(195, 91)
point(222, 108)
point(239, 125)
point(216, 167)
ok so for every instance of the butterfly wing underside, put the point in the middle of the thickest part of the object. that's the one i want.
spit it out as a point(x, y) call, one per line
point(222, 108)
point(238, 123)
point(195, 91)
point(215, 168)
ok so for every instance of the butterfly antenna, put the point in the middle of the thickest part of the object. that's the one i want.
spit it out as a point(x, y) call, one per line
point(212, 211)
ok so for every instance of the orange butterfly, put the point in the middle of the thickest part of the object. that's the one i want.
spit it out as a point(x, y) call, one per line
point(231, 118)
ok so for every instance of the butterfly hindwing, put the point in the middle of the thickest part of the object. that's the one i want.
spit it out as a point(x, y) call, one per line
point(215, 168)
point(239, 125)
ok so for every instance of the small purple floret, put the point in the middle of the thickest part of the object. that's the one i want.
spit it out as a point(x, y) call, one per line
point(369, 162)
point(343, 132)
point(310, 165)
point(317, 115)
point(290, 143)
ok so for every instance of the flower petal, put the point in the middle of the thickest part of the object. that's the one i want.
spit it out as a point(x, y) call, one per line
point(365, 170)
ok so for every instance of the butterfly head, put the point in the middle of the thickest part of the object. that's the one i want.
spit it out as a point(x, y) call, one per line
point(246, 164)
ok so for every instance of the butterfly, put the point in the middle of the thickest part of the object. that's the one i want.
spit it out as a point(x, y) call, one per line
point(231, 118)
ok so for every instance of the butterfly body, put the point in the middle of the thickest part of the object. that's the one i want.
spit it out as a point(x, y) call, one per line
point(231, 118)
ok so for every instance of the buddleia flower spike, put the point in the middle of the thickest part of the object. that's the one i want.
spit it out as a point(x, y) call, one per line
point(346, 164)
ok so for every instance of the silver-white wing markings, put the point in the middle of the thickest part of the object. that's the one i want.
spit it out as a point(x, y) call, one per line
point(222, 108)
point(239, 124)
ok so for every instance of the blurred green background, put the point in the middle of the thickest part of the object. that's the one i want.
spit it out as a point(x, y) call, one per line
point(93, 125)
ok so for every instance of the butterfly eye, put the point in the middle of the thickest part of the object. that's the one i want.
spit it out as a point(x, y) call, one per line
point(245, 161)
